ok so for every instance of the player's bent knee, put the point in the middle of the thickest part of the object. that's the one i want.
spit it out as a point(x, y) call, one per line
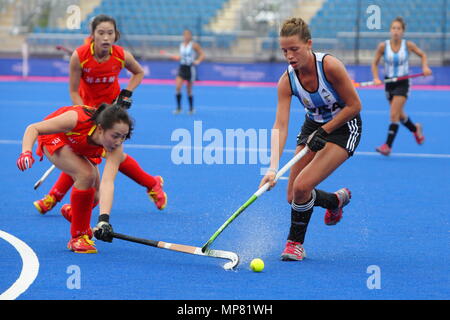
point(301, 193)
point(395, 117)
point(290, 197)
point(85, 178)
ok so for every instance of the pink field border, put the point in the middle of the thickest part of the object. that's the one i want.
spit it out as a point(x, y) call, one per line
point(200, 83)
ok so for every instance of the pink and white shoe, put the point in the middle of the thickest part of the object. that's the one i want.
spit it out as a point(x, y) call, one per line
point(418, 135)
point(384, 149)
point(293, 251)
point(334, 216)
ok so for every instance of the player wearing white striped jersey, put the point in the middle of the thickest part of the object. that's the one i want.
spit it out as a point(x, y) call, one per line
point(322, 104)
point(395, 53)
point(191, 55)
point(396, 62)
point(332, 130)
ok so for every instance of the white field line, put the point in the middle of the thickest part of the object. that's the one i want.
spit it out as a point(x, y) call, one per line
point(168, 147)
point(30, 267)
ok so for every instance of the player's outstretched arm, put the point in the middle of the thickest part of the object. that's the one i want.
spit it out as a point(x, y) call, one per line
point(279, 129)
point(62, 123)
point(424, 60)
point(137, 72)
point(376, 60)
point(340, 80)
point(113, 160)
point(200, 54)
point(74, 79)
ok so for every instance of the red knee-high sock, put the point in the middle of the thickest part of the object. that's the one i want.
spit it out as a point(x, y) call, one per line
point(68, 214)
point(81, 202)
point(133, 170)
point(61, 186)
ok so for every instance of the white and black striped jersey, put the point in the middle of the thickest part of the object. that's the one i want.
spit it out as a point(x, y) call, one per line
point(321, 105)
point(187, 54)
point(396, 63)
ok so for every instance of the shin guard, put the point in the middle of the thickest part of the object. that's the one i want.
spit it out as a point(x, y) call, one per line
point(300, 216)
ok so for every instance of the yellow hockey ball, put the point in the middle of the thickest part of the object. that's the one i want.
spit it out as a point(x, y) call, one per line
point(257, 265)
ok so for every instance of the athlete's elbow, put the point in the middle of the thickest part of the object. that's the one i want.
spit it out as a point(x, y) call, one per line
point(32, 131)
point(280, 126)
point(141, 73)
point(357, 107)
point(138, 76)
point(354, 108)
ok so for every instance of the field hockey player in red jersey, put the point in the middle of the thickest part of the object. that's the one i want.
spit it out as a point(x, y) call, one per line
point(74, 139)
point(94, 79)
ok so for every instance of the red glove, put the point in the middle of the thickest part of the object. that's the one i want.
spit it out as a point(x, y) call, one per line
point(25, 160)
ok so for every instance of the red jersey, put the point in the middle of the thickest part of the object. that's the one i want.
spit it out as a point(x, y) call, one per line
point(77, 138)
point(99, 81)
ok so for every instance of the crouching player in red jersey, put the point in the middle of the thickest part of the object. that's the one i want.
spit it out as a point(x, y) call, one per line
point(94, 79)
point(74, 138)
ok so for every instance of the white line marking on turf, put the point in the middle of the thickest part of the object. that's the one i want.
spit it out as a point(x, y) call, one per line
point(406, 155)
point(294, 109)
point(215, 109)
point(358, 153)
point(30, 267)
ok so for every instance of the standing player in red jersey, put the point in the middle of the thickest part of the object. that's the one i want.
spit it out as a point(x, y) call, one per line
point(94, 79)
point(74, 139)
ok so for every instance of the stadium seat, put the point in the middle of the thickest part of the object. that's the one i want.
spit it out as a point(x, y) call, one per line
point(156, 17)
point(421, 16)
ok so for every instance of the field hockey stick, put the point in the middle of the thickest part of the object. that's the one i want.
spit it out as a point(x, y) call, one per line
point(253, 198)
point(64, 49)
point(227, 255)
point(168, 55)
point(390, 80)
point(44, 176)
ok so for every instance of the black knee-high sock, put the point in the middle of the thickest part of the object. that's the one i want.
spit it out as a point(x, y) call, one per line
point(191, 102)
point(327, 200)
point(300, 216)
point(393, 128)
point(178, 95)
point(409, 124)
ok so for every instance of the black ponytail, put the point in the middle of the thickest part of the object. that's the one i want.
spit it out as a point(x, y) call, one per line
point(109, 114)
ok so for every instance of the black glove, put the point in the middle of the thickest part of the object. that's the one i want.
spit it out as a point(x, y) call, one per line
point(104, 231)
point(124, 99)
point(317, 140)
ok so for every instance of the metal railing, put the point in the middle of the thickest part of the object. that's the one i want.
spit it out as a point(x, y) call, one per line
point(359, 47)
point(254, 39)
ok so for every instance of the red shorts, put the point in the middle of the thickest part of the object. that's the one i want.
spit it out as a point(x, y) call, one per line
point(53, 143)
